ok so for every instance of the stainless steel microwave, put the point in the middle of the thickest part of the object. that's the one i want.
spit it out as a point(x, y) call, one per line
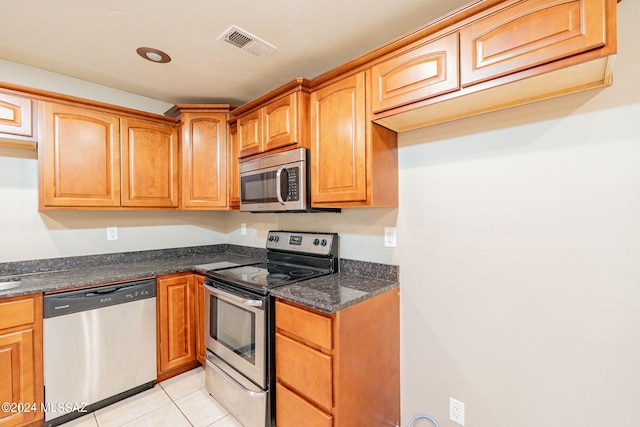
point(277, 183)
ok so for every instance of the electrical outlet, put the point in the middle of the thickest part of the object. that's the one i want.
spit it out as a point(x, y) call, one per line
point(390, 237)
point(112, 233)
point(456, 411)
point(243, 229)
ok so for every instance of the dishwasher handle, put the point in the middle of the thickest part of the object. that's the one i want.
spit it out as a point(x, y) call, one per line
point(63, 303)
point(100, 292)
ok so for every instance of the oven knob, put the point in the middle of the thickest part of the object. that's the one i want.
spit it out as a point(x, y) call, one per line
point(271, 238)
point(276, 238)
point(324, 242)
point(316, 242)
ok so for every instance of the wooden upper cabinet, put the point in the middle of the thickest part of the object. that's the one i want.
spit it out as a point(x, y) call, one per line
point(270, 127)
point(424, 71)
point(530, 33)
point(79, 158)
point(206, 164)
point(149, 164)
point(276, 121)
point(353, 162)
point(279, 120)
point(18, 119)
point(338, 142)
point(250, 133)
point(204, 161)
point(234, 167)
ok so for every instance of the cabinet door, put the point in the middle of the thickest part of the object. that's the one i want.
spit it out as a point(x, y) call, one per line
point(79, 158)
point(530, 33)
point(176, 325)
point(250, 133)
point(279, 121)
point(234, 167)
point(199, 307)
point(428, 70)
point(149, 164)
point(338, 142)
point(21, 380)
point(17, 118)
point(204, 161)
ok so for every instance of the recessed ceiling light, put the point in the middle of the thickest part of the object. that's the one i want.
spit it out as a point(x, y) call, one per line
point(153, 55)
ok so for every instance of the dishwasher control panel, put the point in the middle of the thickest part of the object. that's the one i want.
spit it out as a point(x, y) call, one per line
point(62, 303)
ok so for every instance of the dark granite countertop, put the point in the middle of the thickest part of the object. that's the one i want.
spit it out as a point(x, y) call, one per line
point(357, 280)
point(66, 273)
point(333, 292)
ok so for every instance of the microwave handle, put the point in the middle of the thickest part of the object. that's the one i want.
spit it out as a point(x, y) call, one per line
point(279, 187)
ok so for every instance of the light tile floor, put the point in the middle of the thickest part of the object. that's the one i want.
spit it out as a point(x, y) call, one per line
point(176, 402)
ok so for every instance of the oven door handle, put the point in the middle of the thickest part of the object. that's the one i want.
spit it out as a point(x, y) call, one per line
point(234, 298)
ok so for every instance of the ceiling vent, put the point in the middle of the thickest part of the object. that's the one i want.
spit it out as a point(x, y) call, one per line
point(247, 41)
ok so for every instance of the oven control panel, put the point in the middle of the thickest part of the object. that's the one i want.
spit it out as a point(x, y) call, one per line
point(323, 244)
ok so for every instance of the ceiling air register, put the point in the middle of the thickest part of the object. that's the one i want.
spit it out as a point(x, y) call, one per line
point(246, 41)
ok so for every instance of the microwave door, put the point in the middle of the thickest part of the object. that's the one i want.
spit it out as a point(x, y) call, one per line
point(276, 189)
point(258, 188)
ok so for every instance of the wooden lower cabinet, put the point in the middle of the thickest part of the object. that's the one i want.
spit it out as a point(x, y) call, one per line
point(176, 324)
point(21, 366)
point(340, 370)
point(199, 305)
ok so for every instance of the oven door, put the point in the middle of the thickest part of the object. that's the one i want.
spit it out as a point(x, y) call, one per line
point(235, 331)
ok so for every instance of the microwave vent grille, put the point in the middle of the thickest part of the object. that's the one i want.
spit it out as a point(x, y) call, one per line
point(246, 41)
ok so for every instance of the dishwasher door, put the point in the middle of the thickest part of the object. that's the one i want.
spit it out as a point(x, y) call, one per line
point(99, 347)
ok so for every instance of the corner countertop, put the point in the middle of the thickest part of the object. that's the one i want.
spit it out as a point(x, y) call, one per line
point(333, 292)
point(356, 281)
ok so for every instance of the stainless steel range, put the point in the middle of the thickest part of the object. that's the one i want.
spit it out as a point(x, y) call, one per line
point(240, 320)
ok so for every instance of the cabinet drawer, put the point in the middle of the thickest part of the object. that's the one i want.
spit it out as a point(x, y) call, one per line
point(528, 34)
point(305, 370)
point(309, 326)
point(428, 70)
point(294, 411)
point(16, 312)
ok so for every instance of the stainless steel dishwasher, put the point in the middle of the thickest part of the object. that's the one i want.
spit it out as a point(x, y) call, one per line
point(99, 347)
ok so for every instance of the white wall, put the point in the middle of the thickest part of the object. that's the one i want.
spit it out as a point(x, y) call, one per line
point(519, 247)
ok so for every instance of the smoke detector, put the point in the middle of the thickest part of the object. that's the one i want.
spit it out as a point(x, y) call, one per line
point(246, 41)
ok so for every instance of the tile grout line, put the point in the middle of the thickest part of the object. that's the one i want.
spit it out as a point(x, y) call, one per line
point(173, 402)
